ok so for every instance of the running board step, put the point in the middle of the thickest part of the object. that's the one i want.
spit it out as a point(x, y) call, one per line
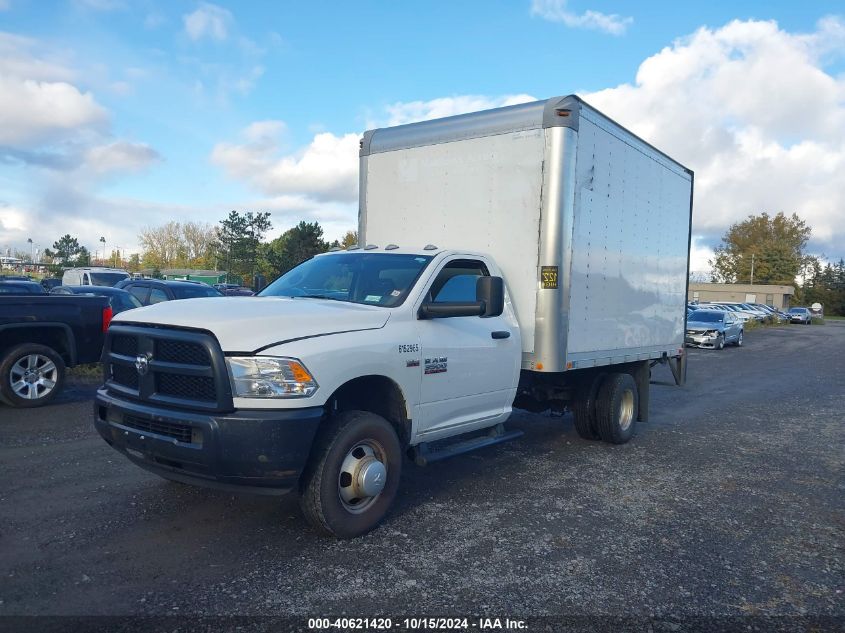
point(423, 453)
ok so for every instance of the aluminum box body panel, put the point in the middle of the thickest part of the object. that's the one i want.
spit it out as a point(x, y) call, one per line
point(627, 283)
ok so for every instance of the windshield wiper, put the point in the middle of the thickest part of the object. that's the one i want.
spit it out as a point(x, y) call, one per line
point(318, 297)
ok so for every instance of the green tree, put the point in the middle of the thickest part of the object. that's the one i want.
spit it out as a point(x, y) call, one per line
point(66, 253)
point(239, 242)
point(293, 247)
point(774, 245)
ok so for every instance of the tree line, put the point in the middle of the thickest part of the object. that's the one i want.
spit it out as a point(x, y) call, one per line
point(236, 245)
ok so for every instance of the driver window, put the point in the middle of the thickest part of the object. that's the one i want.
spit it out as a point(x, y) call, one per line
point(456, 282)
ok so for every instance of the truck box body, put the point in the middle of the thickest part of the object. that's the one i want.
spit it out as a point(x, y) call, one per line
point(589, 223)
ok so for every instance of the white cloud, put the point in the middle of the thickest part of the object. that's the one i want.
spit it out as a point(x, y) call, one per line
point(33, 111)
point(326, 169)
point(120, 156)
point(557, 11)
point(209, 21)
point(750, 108)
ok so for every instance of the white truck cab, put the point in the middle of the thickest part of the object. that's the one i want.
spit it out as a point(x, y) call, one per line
point(559, 297)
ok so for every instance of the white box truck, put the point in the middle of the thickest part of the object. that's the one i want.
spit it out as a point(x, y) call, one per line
point(532, 256)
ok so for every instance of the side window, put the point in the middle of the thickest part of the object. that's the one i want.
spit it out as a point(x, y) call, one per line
point(139, 292)
point(456, 282)
point(157, 295)
point(86, 281)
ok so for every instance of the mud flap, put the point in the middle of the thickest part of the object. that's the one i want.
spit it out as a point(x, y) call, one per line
point(642, 376)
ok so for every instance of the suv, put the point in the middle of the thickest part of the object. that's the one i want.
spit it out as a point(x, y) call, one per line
point(150, 291)
point(96, 276)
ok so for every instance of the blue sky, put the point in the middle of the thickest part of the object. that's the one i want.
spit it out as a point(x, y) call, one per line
point(122, 114)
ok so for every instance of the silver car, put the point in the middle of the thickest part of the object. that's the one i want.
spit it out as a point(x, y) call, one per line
point(713, 329)
point(800, 315)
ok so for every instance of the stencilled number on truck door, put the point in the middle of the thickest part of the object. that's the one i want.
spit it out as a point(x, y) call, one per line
point(548, 277)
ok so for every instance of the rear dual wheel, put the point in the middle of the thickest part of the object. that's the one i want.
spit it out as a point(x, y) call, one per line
point(608, 409)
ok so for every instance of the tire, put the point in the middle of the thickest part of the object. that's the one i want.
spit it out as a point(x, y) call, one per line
point(739, 339)
point(344, 451)
point(616, 408)
point(584, 410)
point(720, 341)
point(22, 388)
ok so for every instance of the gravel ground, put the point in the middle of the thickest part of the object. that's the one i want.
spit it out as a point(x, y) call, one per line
point(728, 503)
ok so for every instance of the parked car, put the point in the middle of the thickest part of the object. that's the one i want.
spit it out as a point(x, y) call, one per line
point(238, 291)
point(742, 316)
point(93, 276)
point(800, 315)
point(120, 300)
point(20, 287)
point(152, 291)
point(48, 283)
point(713, 329)
point(42, 334)
point(775, 315)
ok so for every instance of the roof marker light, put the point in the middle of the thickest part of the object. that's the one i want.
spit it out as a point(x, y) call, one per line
point(370, 247)
point(429, 247)
point(352, 247)
point(391, 247)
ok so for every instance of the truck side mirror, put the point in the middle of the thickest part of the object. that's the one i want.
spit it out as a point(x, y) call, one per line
point(490, 292)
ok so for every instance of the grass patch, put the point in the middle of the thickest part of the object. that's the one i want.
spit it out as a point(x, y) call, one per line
point(90, 371)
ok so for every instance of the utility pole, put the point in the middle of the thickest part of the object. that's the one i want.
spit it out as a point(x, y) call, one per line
point(752, 269)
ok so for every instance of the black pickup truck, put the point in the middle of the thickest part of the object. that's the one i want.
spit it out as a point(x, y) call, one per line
point(41, 335)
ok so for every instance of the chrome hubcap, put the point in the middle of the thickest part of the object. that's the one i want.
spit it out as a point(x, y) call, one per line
point(363, 475)
point(626, 410)
point(33, 377)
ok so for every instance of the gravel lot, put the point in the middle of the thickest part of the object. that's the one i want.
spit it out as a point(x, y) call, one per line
point(728, 503)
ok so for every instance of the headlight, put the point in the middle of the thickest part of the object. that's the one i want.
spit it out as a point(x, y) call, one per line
point(268, 377)
point(711, 332)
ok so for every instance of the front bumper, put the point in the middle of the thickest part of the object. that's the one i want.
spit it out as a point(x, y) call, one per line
point(701, 340)
point(261, 451)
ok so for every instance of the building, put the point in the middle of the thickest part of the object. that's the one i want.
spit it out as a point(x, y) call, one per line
point(207, 276)
point(776, 296)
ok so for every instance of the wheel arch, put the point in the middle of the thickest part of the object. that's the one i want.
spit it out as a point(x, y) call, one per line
point(377, 394)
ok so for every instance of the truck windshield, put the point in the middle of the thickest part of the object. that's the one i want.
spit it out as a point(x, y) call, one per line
point(378, 279)
point(107, 279)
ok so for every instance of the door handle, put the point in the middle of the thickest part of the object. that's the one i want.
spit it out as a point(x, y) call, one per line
point(500, 334)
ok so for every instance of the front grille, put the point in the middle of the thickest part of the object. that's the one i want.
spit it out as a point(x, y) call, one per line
point(181, 352)
point(125, 345)
point(125, 375)
point(187, 387)
point(180, 432)
point(169, 366)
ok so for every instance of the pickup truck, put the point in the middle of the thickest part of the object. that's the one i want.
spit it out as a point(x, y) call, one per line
point(550, 273)
point(41, 335)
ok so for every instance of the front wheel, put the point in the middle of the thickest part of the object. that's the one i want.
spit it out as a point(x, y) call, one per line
point(353, 474)
point(720, 341)
point(616, 408)
point(31, 375)
point(739, 339)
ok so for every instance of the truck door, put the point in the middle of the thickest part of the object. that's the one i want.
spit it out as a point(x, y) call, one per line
point(470, 364)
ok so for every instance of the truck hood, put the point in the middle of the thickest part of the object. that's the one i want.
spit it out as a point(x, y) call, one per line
point(248, 324)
